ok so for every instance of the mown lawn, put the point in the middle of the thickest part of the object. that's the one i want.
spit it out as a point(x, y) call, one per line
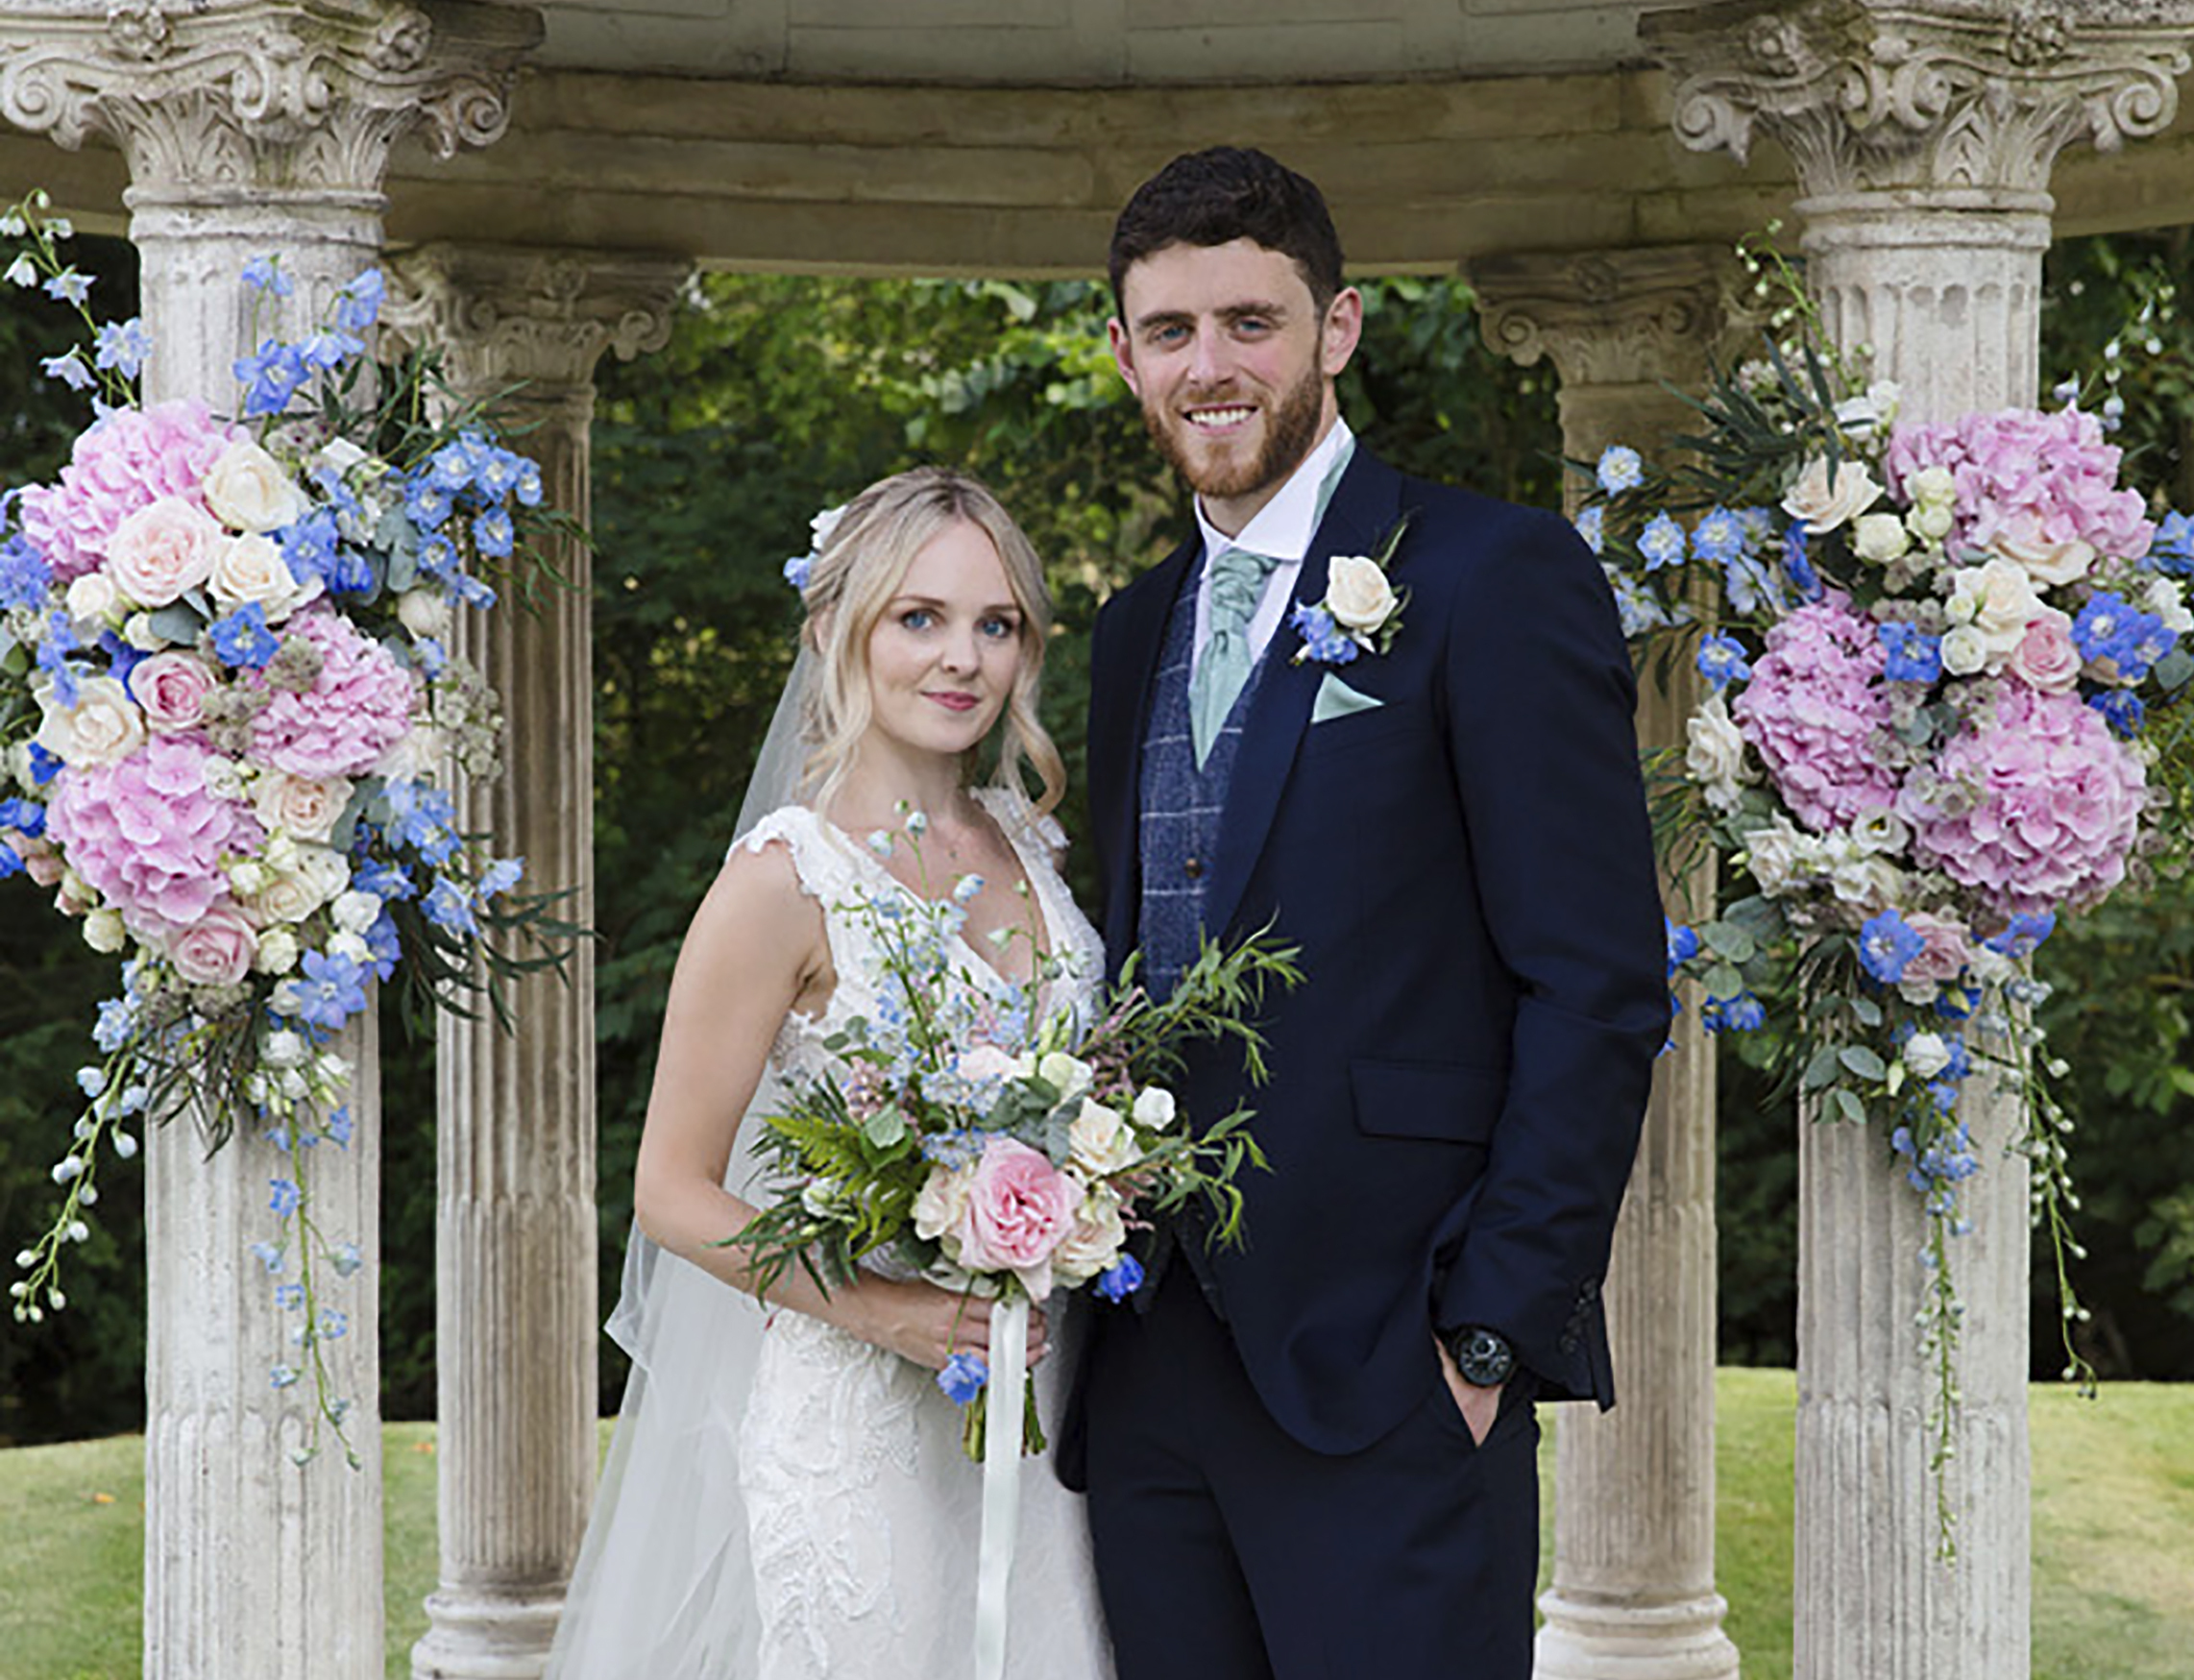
point(2113, 1526)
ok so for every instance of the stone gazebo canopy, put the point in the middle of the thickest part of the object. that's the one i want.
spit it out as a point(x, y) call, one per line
point(543, 179)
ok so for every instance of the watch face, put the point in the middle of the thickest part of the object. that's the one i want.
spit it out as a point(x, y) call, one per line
point(1484, 1359)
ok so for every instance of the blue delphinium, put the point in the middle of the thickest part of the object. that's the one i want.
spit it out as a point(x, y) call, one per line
point(271, 376)
point(1910, 654)
point(1120, 1280)
point(1662, 542)
point(1887, 945)
point(2024, 935)
point(242, 638)
point(1798, 568)
point(1322, 640)
point(1721, 661)
point(1619, 469)
point(447, 906)
point(331, 989)
point(25, 577)
point(287, 1198)
point(1741, 1013)
point(71, 370)
point(1719, 537)
point(963, 1377)
point(2122, 709)
point(1592, 526)
point(122, 346)
point(264, 274)
point(1683, 944)
point(2173, 549)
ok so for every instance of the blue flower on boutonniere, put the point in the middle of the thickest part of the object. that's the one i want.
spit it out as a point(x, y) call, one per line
point(1362, 609)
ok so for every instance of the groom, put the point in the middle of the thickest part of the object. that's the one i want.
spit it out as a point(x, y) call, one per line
point(1313, 1456)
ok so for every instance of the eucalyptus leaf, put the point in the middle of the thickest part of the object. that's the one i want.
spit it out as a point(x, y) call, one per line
point(1727, 940)
point(1866, 1012)
point(2173, 670)
point(1864, 1062)
point(1722, 981)
point(1847, 1105)
point(885, 1127)
point(178, 624)
point(1822, 1069)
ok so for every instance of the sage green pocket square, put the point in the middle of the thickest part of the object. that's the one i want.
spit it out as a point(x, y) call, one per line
point(1336, 699)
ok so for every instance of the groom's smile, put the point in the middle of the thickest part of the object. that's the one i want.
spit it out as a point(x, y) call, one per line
point(1234, 364)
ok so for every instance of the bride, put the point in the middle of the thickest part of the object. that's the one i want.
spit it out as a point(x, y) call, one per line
point(787, 1495)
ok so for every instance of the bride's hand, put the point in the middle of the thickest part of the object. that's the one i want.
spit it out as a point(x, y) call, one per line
point(927, 1325)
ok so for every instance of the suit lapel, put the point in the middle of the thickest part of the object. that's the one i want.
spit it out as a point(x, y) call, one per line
point(1364, 507)
point(1117, 779)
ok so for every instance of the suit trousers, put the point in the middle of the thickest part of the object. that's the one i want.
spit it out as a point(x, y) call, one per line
point(1228, 1550)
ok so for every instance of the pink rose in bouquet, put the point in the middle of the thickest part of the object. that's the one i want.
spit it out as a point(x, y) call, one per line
point(357, 708)
point(161, 551)
point(2046, 657)
point(1813, 711)
point(1019, 1208)
point(1942, 955)
point(2041, 805)
point(130, 460)
point(148, 835)
point(171, 690)
point(215, 950)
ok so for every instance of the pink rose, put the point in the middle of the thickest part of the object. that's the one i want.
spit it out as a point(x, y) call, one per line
point(2046, 658)
point(1942, 958)
point(1020, 1209)
point(171, 688)
point(215, 950)
point(160, 553)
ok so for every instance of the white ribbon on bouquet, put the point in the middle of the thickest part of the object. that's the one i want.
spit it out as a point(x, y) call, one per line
point(1002, 1422)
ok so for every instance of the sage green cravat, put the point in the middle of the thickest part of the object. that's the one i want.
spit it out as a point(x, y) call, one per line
point(1237, 580)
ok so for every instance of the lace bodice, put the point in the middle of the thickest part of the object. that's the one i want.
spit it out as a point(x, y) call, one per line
point(838, 871)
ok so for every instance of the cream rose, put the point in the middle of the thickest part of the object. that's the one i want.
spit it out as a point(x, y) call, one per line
point(2167, 601)
point(1824, 502)
point(216, 950)
point(424, 612)
point(1930, 524)
point(1880, 538)
point(941, 1201)
point(160, 553)
point(1965, 651)
point(1154, 1107)
point(1716, 754)
point(250, 569)
point(104, 727)
point(172, 689)
point(1932, 487)
point(300, 805)
point(1925, 1055)
point(324, 871)
point(1064, 1074)
point(1095, 1243)
point(2046, 657)
point(91, 598)
point(356, 912)
point(1358, 593)
point(1774, 853)
point(278, 951)
point(104, 933)
point(1101, 1143)
point(2047, 560)
point(248, 489)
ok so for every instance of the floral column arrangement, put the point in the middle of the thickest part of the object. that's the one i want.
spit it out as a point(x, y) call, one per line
point(252, 129)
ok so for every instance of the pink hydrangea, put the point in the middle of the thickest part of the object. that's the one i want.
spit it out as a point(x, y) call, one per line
point(359, 707)
point(128, 460)
point(2025, 479)
point(1813, 711)
point(150, 837)
point(2053, 803)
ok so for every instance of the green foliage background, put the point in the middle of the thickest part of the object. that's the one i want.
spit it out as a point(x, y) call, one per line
point(778, 396)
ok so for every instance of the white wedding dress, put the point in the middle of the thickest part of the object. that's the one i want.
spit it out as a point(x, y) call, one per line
point(783, 1500)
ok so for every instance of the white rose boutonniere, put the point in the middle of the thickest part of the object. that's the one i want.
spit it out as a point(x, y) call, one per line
point(1362, 609)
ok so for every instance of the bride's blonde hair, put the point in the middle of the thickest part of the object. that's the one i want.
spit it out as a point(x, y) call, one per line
point(856, 574)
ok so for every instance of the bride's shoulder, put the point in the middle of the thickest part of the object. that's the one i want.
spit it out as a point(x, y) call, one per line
point(794, 848)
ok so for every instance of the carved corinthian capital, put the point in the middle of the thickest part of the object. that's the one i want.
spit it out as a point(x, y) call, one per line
point(238, 94)
point(1945, 96)
point(505, 314)
point(1619, 317)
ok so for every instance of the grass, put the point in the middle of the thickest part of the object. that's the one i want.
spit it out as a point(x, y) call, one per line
point(2113, 1536)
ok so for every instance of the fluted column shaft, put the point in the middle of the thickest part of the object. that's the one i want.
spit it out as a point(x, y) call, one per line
point(254, 127)
point(1633, 1595)
point(515, 1246)
point(1924, 137)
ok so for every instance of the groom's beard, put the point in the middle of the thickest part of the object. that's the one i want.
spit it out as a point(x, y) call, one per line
point(1291, 429)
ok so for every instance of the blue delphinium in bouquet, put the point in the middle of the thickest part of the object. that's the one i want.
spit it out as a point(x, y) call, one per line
point(226, 705)
point(1930, 656)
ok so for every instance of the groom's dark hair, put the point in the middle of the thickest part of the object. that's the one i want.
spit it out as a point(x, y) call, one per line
point(1228, 193)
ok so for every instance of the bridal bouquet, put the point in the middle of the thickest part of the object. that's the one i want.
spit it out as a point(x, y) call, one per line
point(993, 1146)
point(1931, 655)
point(227, 697)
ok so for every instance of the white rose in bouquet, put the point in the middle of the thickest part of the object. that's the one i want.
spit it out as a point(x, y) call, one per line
point(1716, 754)
point(1825, 500)
point(250, 569)
point(1154, 1109)
point(1095, 1243)
point(1066, 1075)
point(1101, 1143)
point(1880, 538)
point(1925, 1055)
point(302, 806)
point(160, 553)
point(91, 598)
point(424, 612)
point(104, 727)
point(248, 489)
point(1358, 593)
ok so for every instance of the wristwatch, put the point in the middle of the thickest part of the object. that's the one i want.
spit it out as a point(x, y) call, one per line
point(1483, 1356)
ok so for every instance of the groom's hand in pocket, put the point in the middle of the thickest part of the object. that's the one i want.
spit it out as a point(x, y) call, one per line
point(1479, 1406)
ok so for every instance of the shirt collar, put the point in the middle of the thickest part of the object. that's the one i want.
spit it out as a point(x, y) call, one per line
point(1284, 525)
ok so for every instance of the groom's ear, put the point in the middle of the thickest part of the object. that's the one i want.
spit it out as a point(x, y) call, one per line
point(1123, 353)
point(1341, 331)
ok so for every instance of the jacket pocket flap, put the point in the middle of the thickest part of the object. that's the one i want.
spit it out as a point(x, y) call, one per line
point(1444, 1101)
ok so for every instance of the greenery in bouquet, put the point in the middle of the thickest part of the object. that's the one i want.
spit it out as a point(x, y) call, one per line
point(228, 706)
point(982, 1137)
point(1941, 669)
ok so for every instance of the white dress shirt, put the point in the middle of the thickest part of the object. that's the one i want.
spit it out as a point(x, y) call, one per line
point(1281, 529)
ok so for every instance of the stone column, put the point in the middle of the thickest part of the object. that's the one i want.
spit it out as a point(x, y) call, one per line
point(1633, 1592)
point(254, 127)
point(515, 1309)
point(1924, 137)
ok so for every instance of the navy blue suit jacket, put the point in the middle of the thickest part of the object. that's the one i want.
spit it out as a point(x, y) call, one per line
point(1457, 1086)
